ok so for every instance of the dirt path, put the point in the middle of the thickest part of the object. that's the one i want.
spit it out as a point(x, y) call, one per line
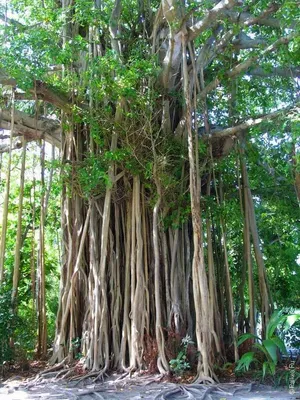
point(111, 389)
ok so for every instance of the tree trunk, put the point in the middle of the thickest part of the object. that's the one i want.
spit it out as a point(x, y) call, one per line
point(162, 363)
point(247, 247)
point(231, 317)
point(200, 285)
point(41, 309)
point(7, 190)
point(266, 307)
point(296, 172)
point(17, 262)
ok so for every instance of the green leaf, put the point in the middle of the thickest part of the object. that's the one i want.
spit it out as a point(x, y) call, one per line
point(280, 344)
point(290, 320)
point(245, 337)
point(180, 354)
point(262, 349)
point(245, 361)
point(271, 349)
point(276, 319)
point(265, 367)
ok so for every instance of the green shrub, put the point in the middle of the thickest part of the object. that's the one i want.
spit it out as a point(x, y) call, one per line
point(265, 352)
point(7, 321)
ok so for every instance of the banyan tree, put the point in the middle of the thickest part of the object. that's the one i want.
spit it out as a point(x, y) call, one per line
point(144, 100)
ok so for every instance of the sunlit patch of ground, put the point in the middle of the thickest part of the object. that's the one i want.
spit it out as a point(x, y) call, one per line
point(19, 384)
point(138, 389)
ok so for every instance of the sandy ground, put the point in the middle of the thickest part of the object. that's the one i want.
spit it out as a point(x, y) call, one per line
point(135, 389)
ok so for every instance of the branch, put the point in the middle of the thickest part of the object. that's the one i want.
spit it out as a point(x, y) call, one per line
point(210, 18)
point(209, 52)
point(10, 21)
point(245, 65)
point(5, 148)
point(249, 19)
point(13, 22)
point(22, 96)
point(251, 123)
point(42, 91)
point(243, 41)
point(113, 27)
point(50, 96)
point(31, 129)
point(289, 72)
point(171, 11)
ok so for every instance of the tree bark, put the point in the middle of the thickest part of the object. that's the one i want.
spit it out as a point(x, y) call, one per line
point(41, 273)
point(266, 306)
point(7, 191)
point(16, 274)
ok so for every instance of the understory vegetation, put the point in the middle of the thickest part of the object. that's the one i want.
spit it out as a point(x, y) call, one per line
point(150, 185)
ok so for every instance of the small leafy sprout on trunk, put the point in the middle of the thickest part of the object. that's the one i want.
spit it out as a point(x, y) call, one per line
point(180, 363)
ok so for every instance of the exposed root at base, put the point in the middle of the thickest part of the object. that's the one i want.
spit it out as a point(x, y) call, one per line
point(204, 379)
point(56, 367)
point(84, 377)
point(99, 375)
point(158, 379)
point(60, 371)
point(248, 390)
point(138, 378)
point(193, 391)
